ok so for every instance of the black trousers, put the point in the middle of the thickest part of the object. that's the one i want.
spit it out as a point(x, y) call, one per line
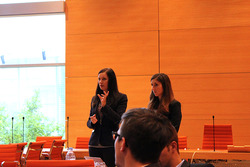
point(106, 154)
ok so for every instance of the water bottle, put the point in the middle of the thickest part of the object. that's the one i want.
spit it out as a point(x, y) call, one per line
point(70, 154)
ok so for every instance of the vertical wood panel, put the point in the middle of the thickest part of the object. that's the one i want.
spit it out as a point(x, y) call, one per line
point(191, 14)
point(98, 16)
point(137, 89)
point(220, 50)
point(130, 53)
point(79, 93)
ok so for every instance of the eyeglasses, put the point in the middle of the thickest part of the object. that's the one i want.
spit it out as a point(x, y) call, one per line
point(115, 135)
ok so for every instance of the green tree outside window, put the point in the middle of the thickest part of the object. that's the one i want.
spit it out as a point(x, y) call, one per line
point(35, 124)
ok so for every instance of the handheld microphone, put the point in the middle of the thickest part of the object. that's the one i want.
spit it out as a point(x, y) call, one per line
point(213, 133)
point(12, 121)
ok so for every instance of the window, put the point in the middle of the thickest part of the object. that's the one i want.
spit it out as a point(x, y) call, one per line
point(32, 76)
point(24, 1)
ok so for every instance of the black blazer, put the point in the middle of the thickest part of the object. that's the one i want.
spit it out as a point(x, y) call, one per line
point(112, 112)
point(174, 114)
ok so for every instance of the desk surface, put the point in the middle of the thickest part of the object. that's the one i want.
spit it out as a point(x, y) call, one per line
point(191, 154)
point(185, 154)
point(210, 154)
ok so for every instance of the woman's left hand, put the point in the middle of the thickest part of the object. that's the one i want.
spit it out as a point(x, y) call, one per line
point(103, 98)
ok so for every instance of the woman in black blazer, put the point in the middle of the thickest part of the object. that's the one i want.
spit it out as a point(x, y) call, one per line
point(162, 99)
point(107, 106)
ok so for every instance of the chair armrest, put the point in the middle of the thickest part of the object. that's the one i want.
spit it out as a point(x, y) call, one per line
point(14, 162)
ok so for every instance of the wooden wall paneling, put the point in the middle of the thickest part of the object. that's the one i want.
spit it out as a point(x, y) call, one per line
point(241, 131)
point(137, 89)
point(79, 93)
point(219, 50)
point(223, 95)
point(130, 53)
point(77, 128)
point(192, 14)
point(193, 129)
point(110, 16)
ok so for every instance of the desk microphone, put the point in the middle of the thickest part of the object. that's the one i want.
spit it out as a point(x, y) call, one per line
point(68, 132)
point(213, 133)
point(23, 129)
point(12, 122)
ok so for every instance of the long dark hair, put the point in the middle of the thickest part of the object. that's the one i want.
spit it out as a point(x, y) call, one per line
point(112, 86)
point(167, 96)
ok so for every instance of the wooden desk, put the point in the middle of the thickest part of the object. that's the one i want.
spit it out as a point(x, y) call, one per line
point(185, 154)
point(188, 154)
point(218, 154)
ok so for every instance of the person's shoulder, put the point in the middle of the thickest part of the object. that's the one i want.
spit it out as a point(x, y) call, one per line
point(122, 95)
point(174, 102)
point(120, 98)
point(93, 98)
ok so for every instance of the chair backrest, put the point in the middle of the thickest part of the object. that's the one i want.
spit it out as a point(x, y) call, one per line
point(56, 150)
point(8, 154)
point(48, 139)
point(20, 148)
point(82, 142)
point(182, 140)
point(34, 150)
point(222, 136)
point(60, 163)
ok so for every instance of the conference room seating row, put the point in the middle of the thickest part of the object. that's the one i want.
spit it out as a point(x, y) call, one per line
point(10, 154)
point(214, 137)
point(16, 155)
point(51, 147)
point(60, 163)
point(53, 163)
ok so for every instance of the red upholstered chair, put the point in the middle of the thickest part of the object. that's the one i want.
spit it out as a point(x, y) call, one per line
point(20, 148)
point(82, 142)
point(34, 152)
point(56, 150)
point(8, 155)
point(222, 137)
point(48, 139)
point(182, 140)
point(60, 163)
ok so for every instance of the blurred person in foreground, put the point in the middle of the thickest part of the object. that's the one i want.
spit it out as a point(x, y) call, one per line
point(146, 139)
point(140, 139)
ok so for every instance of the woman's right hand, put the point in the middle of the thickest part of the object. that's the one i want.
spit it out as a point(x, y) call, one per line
point(93, 119)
